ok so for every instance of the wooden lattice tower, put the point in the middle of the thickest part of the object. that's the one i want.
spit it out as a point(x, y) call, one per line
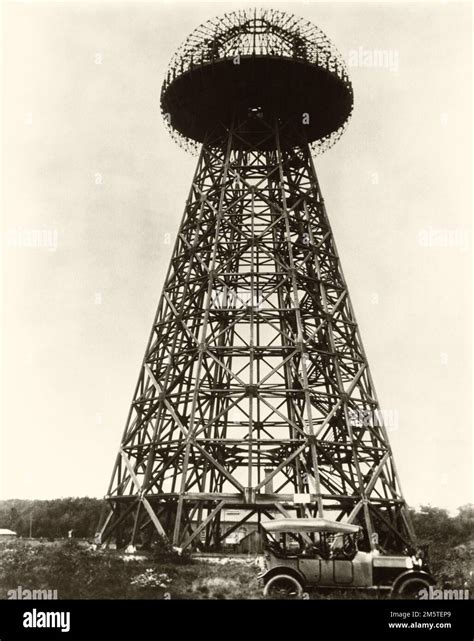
point(255, 391)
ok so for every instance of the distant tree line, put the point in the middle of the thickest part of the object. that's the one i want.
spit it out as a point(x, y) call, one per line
point(450, 542)
point(435, 526)
point(53, 518)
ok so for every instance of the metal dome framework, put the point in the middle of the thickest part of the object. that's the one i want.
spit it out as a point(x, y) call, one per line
point(256, 34)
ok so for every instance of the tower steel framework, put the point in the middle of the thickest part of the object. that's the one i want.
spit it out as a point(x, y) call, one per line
point(255, 391)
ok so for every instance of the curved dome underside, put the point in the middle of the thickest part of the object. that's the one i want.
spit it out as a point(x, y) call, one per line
point(256, 58)
point(287, 89)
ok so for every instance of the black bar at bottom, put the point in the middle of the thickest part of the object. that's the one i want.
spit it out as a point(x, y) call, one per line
point(324, 620)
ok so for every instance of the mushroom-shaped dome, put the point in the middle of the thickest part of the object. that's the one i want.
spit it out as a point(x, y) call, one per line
point(256, 59)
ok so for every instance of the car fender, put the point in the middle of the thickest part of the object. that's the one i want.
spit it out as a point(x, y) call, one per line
point(412, 573)
point(265, 576)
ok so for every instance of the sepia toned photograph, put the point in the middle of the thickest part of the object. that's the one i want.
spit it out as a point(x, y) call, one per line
point(236, 320)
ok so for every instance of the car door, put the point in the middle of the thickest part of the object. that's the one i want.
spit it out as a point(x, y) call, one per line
point(310, 569)
point(334, 572)
point(327, 572)
point(343, 572)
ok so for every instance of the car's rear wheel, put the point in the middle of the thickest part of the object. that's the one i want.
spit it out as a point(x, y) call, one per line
point(283, 586)
point(410, 588)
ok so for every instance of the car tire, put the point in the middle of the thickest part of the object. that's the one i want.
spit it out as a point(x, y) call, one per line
point(283, 586)
point(410, 587)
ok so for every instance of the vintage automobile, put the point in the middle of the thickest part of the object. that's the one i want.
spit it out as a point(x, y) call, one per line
point(305, 554)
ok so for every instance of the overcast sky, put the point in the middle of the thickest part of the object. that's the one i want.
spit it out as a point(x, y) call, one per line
point(89, 163)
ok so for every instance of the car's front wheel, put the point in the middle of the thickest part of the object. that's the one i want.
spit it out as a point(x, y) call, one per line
point(411, 587)
point(283, 586)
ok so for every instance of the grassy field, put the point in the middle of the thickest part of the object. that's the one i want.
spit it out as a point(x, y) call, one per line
point(76, 571)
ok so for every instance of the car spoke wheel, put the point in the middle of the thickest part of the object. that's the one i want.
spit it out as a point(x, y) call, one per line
point(283, 586)
point(410, 588)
